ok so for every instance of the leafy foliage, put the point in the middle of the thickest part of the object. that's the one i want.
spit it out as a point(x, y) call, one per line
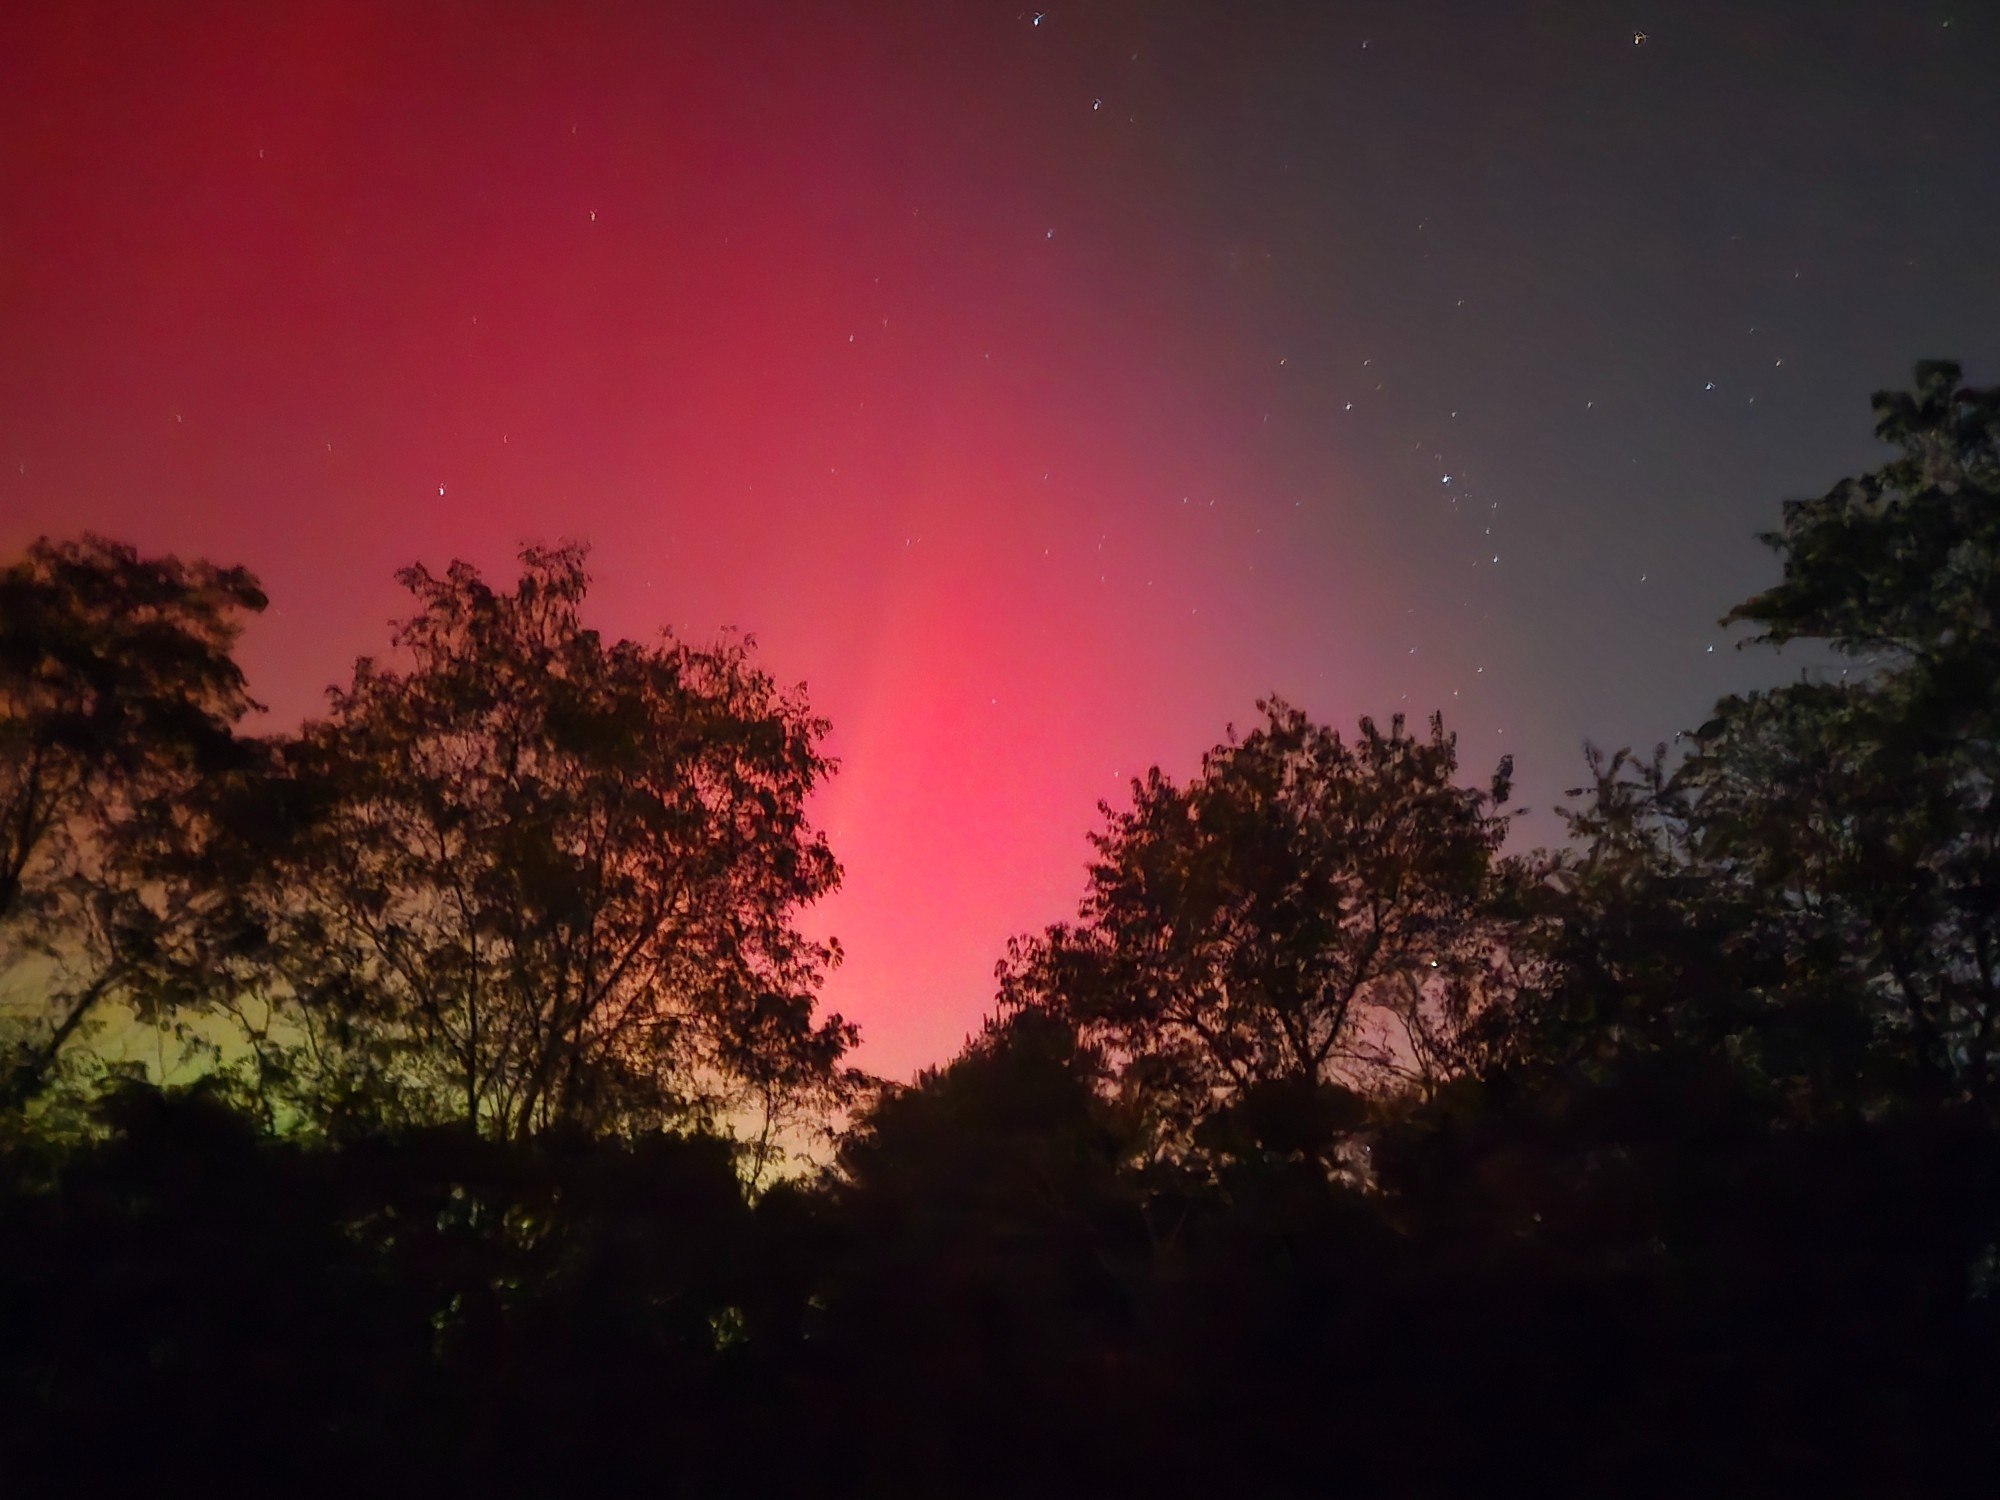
point(1901, 559)
point(1838, 841)
point(535, 879)
point(1305, 913)
point(118, 696)
point(1330, 1151)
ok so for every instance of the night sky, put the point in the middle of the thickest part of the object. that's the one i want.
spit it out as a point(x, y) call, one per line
point(1040, 389)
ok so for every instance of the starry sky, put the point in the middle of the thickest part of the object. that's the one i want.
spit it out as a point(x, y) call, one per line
point(1040, 388)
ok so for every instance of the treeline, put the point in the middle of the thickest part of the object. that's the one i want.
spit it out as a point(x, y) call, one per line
point(1331, 1150)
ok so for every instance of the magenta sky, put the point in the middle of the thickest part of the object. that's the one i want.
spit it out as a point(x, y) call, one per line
point(1038, 394)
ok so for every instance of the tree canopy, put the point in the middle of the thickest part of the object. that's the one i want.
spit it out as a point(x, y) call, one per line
point(534, 879)
point(1307, 914)
point(1857, 818)
point(119, 695)
point(1331, 1149)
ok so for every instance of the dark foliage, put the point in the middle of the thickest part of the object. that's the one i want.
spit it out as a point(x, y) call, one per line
point(118, 699)
point(1330, 1153)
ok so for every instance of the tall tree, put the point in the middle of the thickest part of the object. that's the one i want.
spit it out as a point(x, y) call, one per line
point(1863, 812)
point(991, 1249)
point(1307, 913)
point(118, 696)
point(532, 878)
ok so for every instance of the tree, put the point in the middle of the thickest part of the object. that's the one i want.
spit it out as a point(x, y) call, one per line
point(1768, 1062)
point(1639, 950)
point(1861, 815)
point(533, 879)
point(1307, 914)
point(991, 1246)
point(118, 696)
point(1814, 889)
point(1902, 559)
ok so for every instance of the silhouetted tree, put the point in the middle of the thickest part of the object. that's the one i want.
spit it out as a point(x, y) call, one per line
point(1328, 1151)
point(1814, 887)
point(992, 1242)
point(118, 696)
point(1866, 811)
point(1306, 914)
point(535, 879)
point(1758, 1090)
point(1639, 949)
point(439, 1308)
